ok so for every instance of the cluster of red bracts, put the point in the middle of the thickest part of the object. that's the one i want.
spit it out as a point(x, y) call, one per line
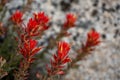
point(60, 59)
point(70, 21)
point(41, 18)
point(17, 17)
point(29, 49)
point(39, 23)
point(93, 39)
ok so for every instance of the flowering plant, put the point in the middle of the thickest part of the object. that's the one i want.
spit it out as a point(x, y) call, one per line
point(28, 45)
point(27, 41)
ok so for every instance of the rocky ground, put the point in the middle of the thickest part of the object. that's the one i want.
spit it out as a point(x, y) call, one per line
point(103, 15)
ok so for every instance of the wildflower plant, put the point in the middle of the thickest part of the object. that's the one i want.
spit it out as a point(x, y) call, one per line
point(59, 59)
point(27, 40)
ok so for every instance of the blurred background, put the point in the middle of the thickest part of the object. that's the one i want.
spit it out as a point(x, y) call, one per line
point(102, 15)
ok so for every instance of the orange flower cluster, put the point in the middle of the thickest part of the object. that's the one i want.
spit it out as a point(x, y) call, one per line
point(70, 21)
point(59, 59)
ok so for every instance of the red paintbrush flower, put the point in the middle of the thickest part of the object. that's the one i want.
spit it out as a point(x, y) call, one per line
point(70, 21)
point(41, 18)
point(27, 46)
point(93, 39)
point(32, 26)
point(59, 59)
point(63, 49)
point(29, 49)
point(17, 17)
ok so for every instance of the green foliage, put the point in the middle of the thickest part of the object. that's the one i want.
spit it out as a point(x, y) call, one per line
point(8, 50)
